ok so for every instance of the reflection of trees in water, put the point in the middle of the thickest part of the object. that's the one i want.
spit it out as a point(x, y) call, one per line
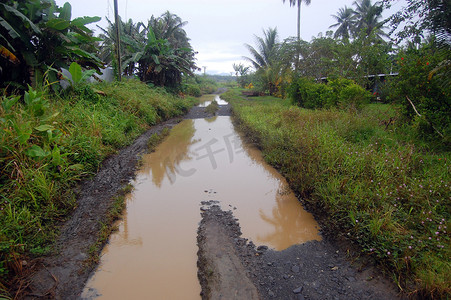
point(288, 224)
point(211, 120)
point(169, 154)
point(123, 236)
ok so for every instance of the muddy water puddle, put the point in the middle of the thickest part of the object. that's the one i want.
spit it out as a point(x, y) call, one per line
point(153, 254)
point(206, 100)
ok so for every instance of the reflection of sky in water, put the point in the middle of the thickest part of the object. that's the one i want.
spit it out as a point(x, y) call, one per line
point(207, 99)
point(156, 242)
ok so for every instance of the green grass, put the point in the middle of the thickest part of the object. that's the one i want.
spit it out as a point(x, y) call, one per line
point(48, 143)
point(377, 185)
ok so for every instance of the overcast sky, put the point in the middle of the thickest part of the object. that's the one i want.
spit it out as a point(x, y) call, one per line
point(219, 28)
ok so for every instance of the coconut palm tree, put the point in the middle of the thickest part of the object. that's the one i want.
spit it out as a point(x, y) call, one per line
point(169, 26)
point(298, 3)
point(267, 49)
point(265, 59)
point(368, 18)
point(346, 20)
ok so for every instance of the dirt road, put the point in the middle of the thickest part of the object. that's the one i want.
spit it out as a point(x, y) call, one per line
point(230, 267)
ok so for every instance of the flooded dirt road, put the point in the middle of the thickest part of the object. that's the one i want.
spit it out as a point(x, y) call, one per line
point(153, 254)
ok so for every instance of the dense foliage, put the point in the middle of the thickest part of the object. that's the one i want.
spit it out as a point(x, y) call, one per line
point(38, 38)
point(338, 93)
point(158, 53)
point(425, 98)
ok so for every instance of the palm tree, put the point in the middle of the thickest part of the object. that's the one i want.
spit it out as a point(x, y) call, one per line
point(267, 49)
point(159, 52)
point(368, 18)
point(345, 22)
point(298, 3)
point(265, 59)
point(169, 26)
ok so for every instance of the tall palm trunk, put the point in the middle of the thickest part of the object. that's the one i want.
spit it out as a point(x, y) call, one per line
point(296, 65)
point(299, 21)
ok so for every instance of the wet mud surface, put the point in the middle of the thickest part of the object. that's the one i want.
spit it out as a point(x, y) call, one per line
point(313, 270)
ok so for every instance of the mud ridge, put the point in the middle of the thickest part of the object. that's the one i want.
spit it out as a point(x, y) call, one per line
point(313, 270)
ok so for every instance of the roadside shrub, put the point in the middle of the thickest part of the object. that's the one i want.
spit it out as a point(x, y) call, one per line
point(429, 93)
point(341, 93)
point(193, 90)
point(353, 97)
point(304, 92)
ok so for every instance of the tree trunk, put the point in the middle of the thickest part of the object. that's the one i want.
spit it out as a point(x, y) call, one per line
point(296, 65)
point(299, 20)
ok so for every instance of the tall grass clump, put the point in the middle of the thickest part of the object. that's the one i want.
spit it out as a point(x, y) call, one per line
point(48, 143)
point(374, 183)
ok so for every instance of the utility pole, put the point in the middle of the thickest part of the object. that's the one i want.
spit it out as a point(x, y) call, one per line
point(205, 69)
point(118, 41)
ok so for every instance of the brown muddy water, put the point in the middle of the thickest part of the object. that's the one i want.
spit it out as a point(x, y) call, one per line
point(153, 254)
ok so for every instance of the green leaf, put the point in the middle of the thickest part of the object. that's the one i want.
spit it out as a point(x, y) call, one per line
point(23, 132)
point(9, 102)
point(11, 31)
point(83, 53)
point(87, 74)
point(36, 151)
point(44, 128)
point(155, 59)
point(20, 15)
point(56, 156)
point(81, 22)
point(76, 167)
point(5, 40)
point(76, 72)
point(58, 24)
point(66, 12)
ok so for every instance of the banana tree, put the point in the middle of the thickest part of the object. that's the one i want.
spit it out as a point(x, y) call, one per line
point(38, 38)
point(162, 64)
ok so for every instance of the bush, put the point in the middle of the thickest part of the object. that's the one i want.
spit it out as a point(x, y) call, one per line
point(353, 97)
point(341, 93)
point(193, 90)
point(431, 96)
